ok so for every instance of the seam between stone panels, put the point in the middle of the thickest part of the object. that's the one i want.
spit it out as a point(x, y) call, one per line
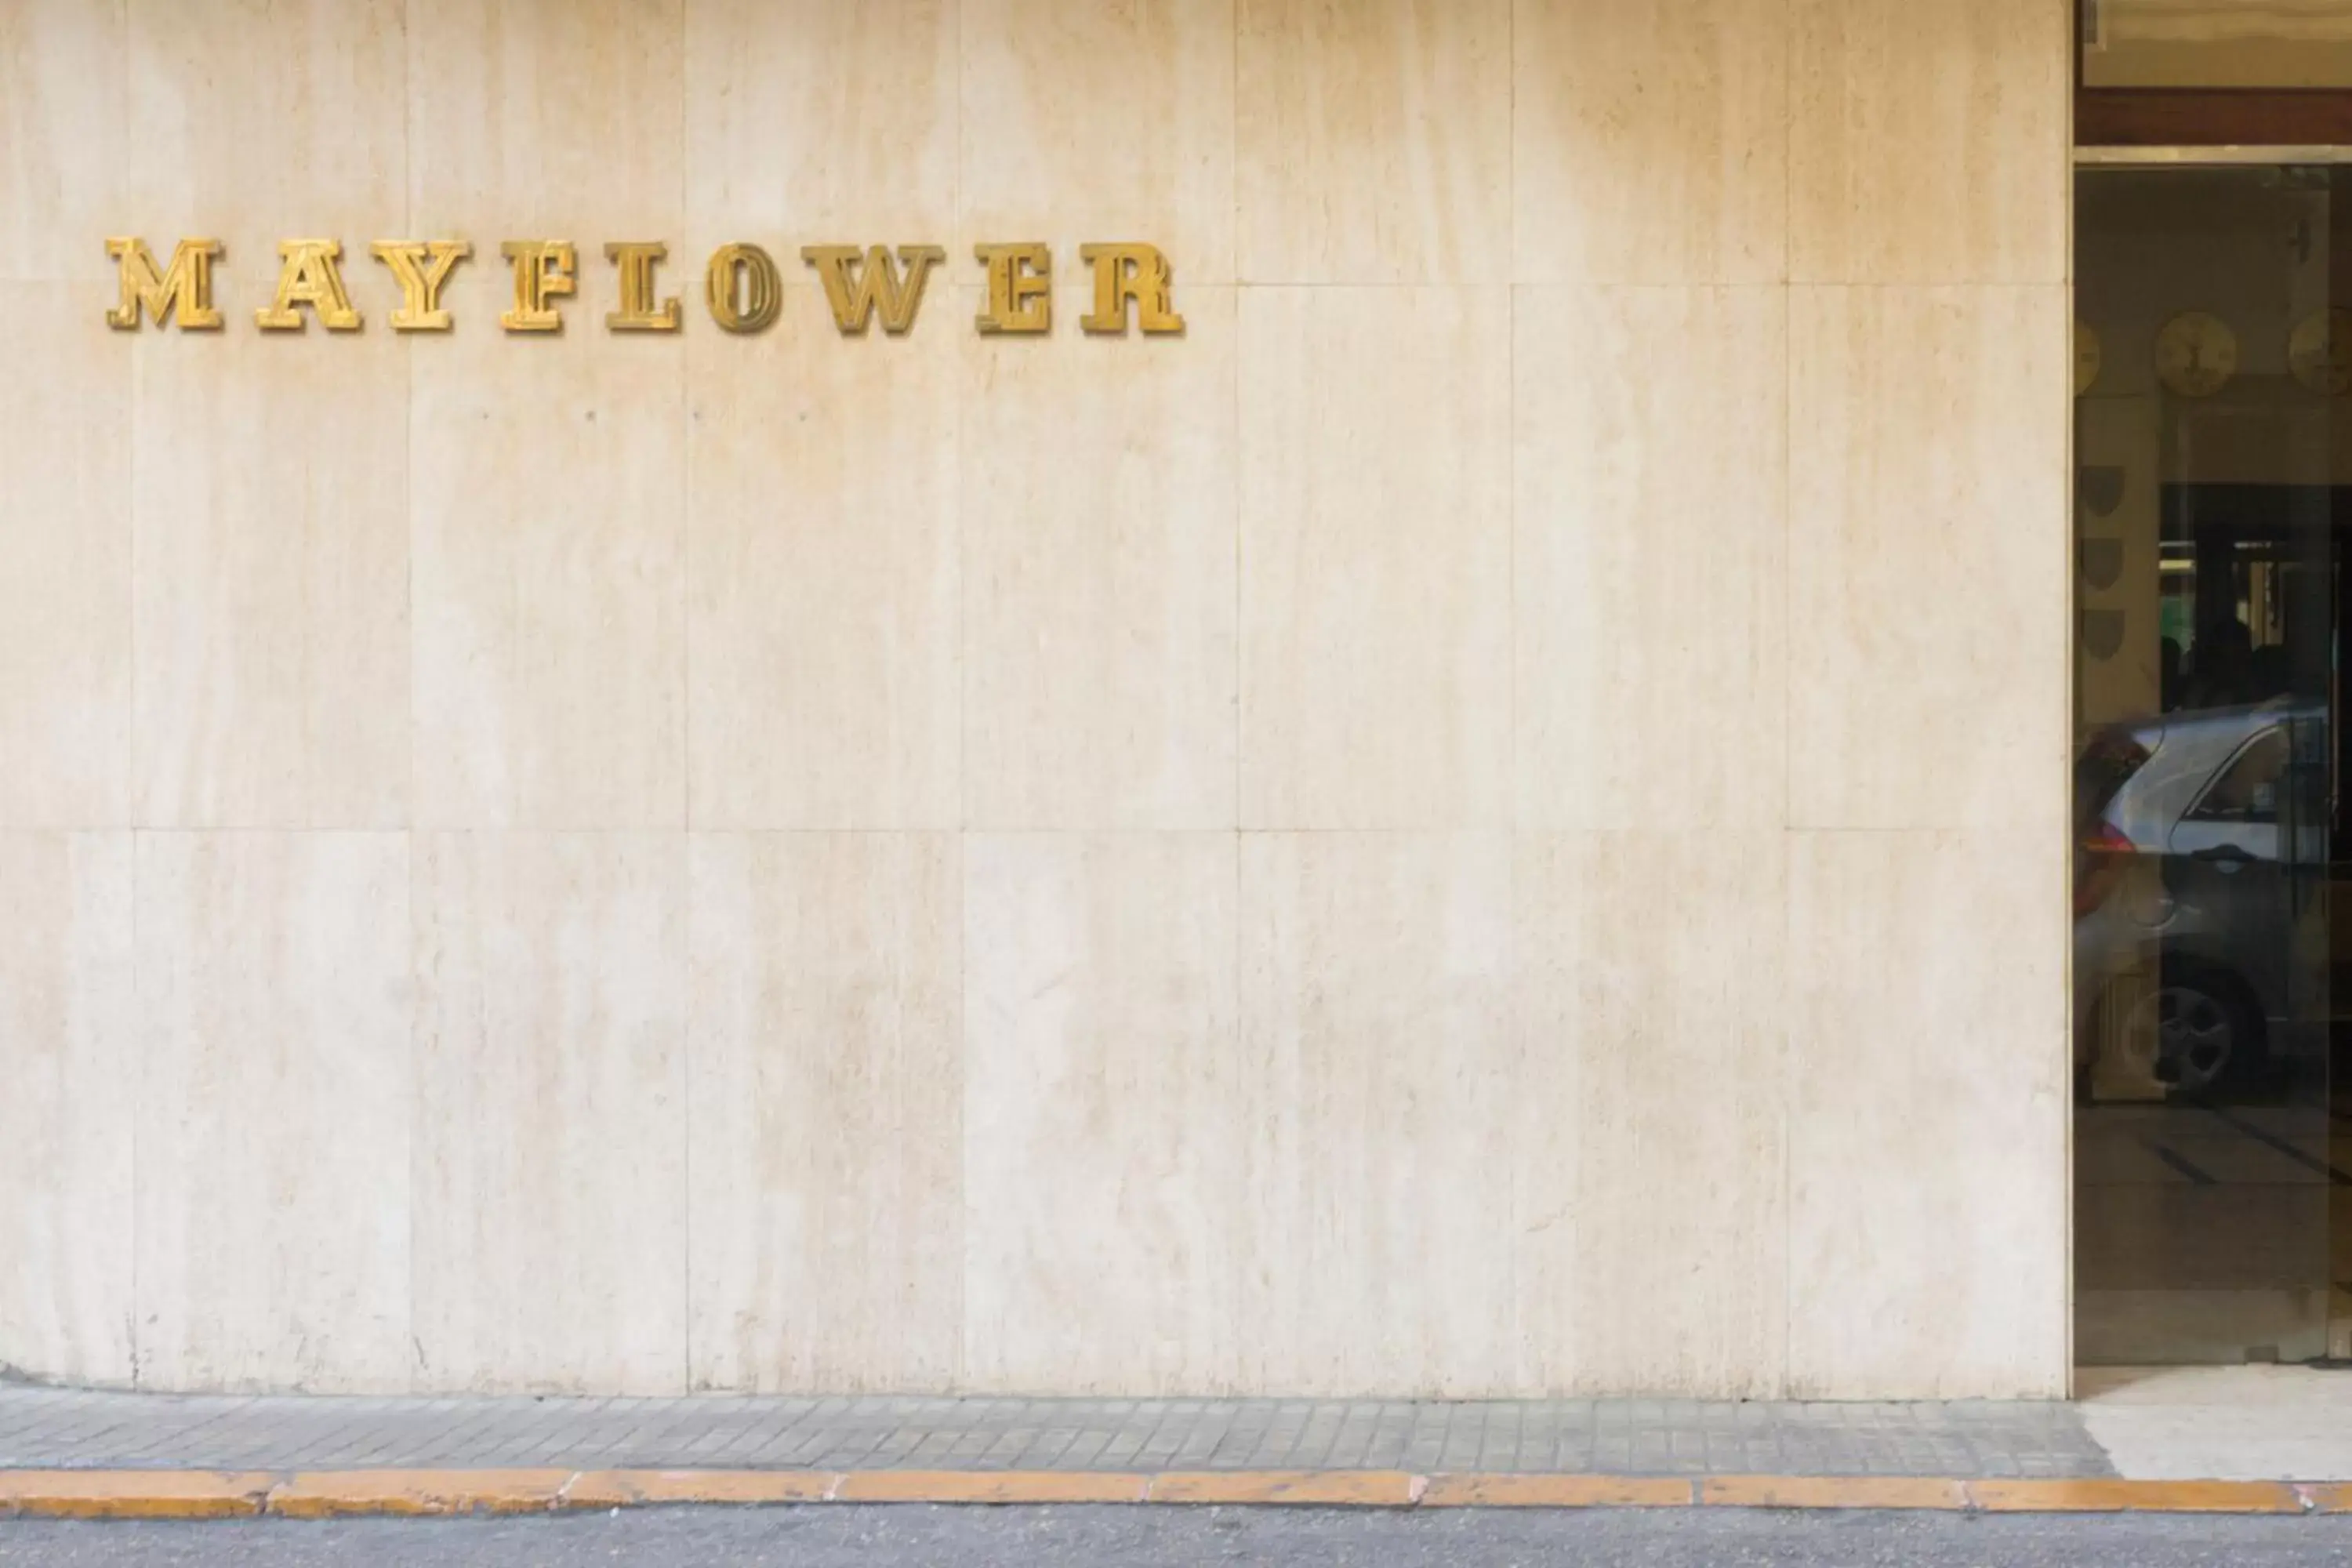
point(685, 746)
point(1235, 461)
point(1787, 1099)
point(411, 1353)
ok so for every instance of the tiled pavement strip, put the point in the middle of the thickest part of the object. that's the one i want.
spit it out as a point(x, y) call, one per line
point(62, 1429)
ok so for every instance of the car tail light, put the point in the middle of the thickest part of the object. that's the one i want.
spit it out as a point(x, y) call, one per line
point(2106, 854)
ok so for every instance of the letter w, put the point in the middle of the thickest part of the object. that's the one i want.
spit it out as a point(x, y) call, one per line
point(855, 290)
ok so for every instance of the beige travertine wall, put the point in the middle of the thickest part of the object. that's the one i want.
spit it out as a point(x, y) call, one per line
point(1491, 820)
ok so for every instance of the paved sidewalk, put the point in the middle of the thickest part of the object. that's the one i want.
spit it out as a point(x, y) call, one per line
point(42, 1429)
point(2235, 1423)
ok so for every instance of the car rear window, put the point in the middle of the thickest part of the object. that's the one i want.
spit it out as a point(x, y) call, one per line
point(2247, 787)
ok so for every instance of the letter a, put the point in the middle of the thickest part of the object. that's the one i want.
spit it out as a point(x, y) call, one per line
point(310, 277)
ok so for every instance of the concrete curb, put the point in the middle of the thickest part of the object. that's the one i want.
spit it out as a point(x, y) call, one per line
point(327, 1494)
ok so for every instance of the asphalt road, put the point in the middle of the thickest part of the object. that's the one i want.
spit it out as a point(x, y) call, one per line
point(839, 1537)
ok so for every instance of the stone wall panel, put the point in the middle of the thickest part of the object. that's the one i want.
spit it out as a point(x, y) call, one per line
point(1464, 825)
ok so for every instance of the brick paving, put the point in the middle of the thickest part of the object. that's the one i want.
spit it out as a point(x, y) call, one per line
point(78, 1429)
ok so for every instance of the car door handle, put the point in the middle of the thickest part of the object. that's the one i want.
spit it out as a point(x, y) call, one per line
point(2227, 857)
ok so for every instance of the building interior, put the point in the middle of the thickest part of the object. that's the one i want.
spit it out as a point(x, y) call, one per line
point(2213, 533)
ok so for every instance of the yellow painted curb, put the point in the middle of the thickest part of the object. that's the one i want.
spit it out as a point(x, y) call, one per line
point(1322, 1488)
point(991, 1486)
point(132, 1494)
point(1555, 1492)
point(2135, 1496)
point(638, 1488)
point(321, 1494)
point(1831, 1492)
point(330, 1494)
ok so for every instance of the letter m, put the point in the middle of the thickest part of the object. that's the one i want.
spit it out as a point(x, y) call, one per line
point(184, 287)
point(854, 291)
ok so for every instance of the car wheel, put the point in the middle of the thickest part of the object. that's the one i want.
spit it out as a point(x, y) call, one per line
point(2205, 1035)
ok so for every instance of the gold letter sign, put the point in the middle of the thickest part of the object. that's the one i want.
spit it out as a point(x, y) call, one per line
point(751, 304)
point(745, 291)
point(421, 270)
point(310, 277)
point(1124, 272)
point(852, 294)
point(542, 268)
point(1017, 274)
point(187, 287)
point(638, 311)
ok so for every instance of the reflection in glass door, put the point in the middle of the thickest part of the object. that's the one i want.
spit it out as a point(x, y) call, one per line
point(2213, 531)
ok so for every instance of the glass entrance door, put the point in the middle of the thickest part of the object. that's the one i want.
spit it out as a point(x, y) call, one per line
point(2212, 982)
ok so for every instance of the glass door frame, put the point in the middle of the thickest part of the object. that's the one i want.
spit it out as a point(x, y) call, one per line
point(2192, 117)
point(2305, 120)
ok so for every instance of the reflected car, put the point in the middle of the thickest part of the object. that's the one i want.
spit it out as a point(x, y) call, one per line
point(2199, 880)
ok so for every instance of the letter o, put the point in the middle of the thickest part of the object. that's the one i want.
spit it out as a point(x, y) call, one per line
point(747, 274)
